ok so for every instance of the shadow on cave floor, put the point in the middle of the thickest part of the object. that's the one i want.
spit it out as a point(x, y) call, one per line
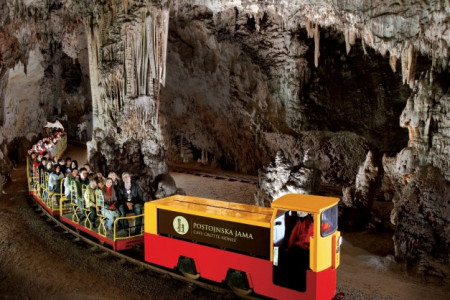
point(375, 242)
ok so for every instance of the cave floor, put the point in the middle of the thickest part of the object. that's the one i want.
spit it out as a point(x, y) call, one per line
point(37, 262)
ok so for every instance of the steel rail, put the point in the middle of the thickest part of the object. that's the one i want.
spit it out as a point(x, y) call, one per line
point(142, 265)
point(214, 175)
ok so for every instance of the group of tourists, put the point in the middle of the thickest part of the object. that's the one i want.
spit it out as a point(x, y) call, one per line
point(47, 144)
point(83, 186)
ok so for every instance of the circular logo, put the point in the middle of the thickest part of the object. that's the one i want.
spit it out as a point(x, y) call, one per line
point(181, 225)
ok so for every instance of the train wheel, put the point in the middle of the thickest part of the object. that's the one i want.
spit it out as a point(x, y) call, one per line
point(187, 267)
point(238, 283)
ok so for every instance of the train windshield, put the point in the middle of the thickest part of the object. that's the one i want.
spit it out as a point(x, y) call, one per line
point(329, 221)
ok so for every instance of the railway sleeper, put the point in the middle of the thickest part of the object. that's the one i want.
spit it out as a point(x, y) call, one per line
point(76, 239)
point(140, 269)
point(103, 255)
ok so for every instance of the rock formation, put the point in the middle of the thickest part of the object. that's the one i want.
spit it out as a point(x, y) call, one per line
point(324, 81)
point(127, 47)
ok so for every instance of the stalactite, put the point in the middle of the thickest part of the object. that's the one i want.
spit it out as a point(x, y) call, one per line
point(404, 65)
point(408, 65)
point(125, 6)
point(393, 62)
point(350, 38)
point(363, 43)
point(347, 40)
point(412, 65)
point(309, 29)
point(151, 47)
point(130, 63)
point(140, 59)
point(316, 45)
point(164, 38)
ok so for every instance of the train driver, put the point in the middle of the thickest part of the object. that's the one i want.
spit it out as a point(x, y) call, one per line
point(297, 251)
point(301, 232)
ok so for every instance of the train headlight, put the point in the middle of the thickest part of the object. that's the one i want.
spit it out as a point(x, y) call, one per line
point(339, 243)
point(275, 256)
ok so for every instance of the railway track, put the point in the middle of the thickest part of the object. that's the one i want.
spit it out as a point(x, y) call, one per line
point(140, 266)
point(215, 175)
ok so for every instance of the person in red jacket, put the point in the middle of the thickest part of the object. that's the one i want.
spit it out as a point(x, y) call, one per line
point(297, 252)
point(301, 232)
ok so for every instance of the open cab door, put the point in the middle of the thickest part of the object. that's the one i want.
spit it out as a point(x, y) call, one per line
point(304, 237)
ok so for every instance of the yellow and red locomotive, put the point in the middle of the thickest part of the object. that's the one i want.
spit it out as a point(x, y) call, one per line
point(242, 245)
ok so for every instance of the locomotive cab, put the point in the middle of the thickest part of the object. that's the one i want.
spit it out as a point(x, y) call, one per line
point(305, 239)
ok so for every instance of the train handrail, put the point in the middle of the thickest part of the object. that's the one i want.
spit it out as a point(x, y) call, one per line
point(118, 219)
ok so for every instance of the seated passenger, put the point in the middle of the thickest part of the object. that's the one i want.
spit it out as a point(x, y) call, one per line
point(115, 179)
point(99, 177)
point(83, 185)
point(130, 200)
point(74, 179)
point(110, 211)
point(41, 170)
point(84, 179)
point(46, 175)
point(62, 165)
point(88, 169)
point(74, 164)
point(31, 165)
point(54, 180)
point(90, 201)
point(68, 163)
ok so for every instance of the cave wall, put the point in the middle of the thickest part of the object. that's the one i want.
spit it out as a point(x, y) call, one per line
point(238, 85)
point(38, 80)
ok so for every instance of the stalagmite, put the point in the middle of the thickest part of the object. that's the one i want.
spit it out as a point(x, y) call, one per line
point(316, 45)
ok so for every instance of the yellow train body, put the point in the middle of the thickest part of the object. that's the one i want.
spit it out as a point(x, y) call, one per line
point(221, 224)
